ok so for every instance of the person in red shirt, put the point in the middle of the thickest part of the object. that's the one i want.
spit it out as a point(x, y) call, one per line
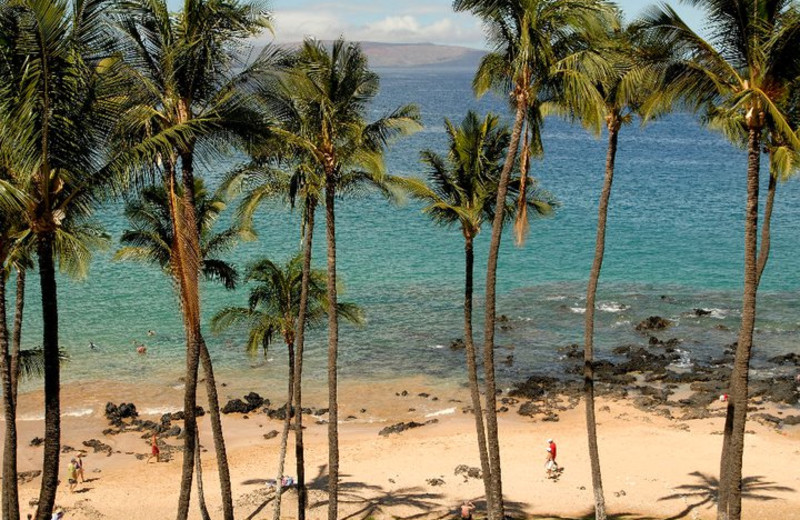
point(552, 446)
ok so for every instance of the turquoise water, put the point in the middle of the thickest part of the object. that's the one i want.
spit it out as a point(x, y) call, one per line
point(674, 243)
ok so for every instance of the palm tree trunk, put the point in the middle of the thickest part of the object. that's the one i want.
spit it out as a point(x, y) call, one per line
point(298, 363)
point(763, 254)
point(216, 430)
point(187, 177)
point(10, 487)
point(472, 365)
point(16, 340)
point(591, 294)
point(285, 434)
point(185, 266)
point(333, 354)
point(201, 497)
point(52, 376)
point(730, 499)
point(497, 512)
point(10, 502)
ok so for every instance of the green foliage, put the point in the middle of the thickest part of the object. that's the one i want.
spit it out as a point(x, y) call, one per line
point(740, 76)
point(528, 38)
point(463, 187)
point(31, 362)
point(151, 237)
point(274, 304)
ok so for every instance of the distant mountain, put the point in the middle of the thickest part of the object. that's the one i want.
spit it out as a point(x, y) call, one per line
point(387, 55)
point(420, 55)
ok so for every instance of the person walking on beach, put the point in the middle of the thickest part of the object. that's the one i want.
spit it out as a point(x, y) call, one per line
point(552, 445)
point(466, 510)
point(154, 451)
point(72, 475)
point(79, 465)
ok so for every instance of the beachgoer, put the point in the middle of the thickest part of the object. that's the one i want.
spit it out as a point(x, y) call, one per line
point(141, 349)
point(154, 451)
point(92, 345)
point(552, 446)
point(58, 515)
point(550, 464)
point(466, 510)
point(72, 474)
point(80, 467)
point(151, 333)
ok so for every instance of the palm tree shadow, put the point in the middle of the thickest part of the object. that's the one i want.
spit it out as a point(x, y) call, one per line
point(705, 492)
point(371, 499)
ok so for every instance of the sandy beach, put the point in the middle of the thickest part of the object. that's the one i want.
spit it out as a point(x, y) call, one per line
point(653, 466)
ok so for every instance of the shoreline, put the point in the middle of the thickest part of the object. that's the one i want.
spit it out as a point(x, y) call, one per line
point(647, 456)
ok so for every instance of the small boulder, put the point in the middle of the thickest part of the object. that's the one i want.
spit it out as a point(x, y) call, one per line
point(236, 406)
point(653, 323)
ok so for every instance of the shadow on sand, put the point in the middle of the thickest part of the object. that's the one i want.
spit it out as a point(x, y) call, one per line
point(368, 500)
point(704, 492)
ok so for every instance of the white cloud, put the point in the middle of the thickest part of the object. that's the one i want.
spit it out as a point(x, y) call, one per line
point(294, 25)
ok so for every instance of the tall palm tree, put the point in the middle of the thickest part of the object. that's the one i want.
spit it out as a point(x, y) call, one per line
point(741, 76)
point(293, 178)
point(461, 190)
point(150, 239)
point(528, 37)
point(605, 84)
point(60, 97)
point(333, 88)
point(188, 66)
point(274, 308)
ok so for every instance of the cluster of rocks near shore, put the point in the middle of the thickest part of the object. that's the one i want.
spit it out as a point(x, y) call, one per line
point(645, 375)
point(648, 378)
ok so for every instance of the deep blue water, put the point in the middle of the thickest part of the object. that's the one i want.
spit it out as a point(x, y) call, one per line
point(674, 243)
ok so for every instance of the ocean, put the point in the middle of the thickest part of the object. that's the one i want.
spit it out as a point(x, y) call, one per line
point(674, 244)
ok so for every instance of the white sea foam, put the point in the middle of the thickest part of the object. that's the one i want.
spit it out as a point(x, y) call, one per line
point(556, 298)
point(719, 314)
point(578, 310)
point(79, 412)
point(157, 410)
point(436, 347)
point(685, 360)
point(31, 417)
point(612, 307)
point(622, 323)
point(446, 411)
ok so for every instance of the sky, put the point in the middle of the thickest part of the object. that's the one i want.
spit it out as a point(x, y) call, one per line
point(400, 21)
point(406, 21)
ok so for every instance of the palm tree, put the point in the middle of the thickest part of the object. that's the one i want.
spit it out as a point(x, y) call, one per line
point(741, 76)
point(605, 84)
point(151, 237)
point(261, 181)
point(60, 97)
point(528, 37)
point(192, 100)
point(274, 308)
point(333, 87)
point(461, 190)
